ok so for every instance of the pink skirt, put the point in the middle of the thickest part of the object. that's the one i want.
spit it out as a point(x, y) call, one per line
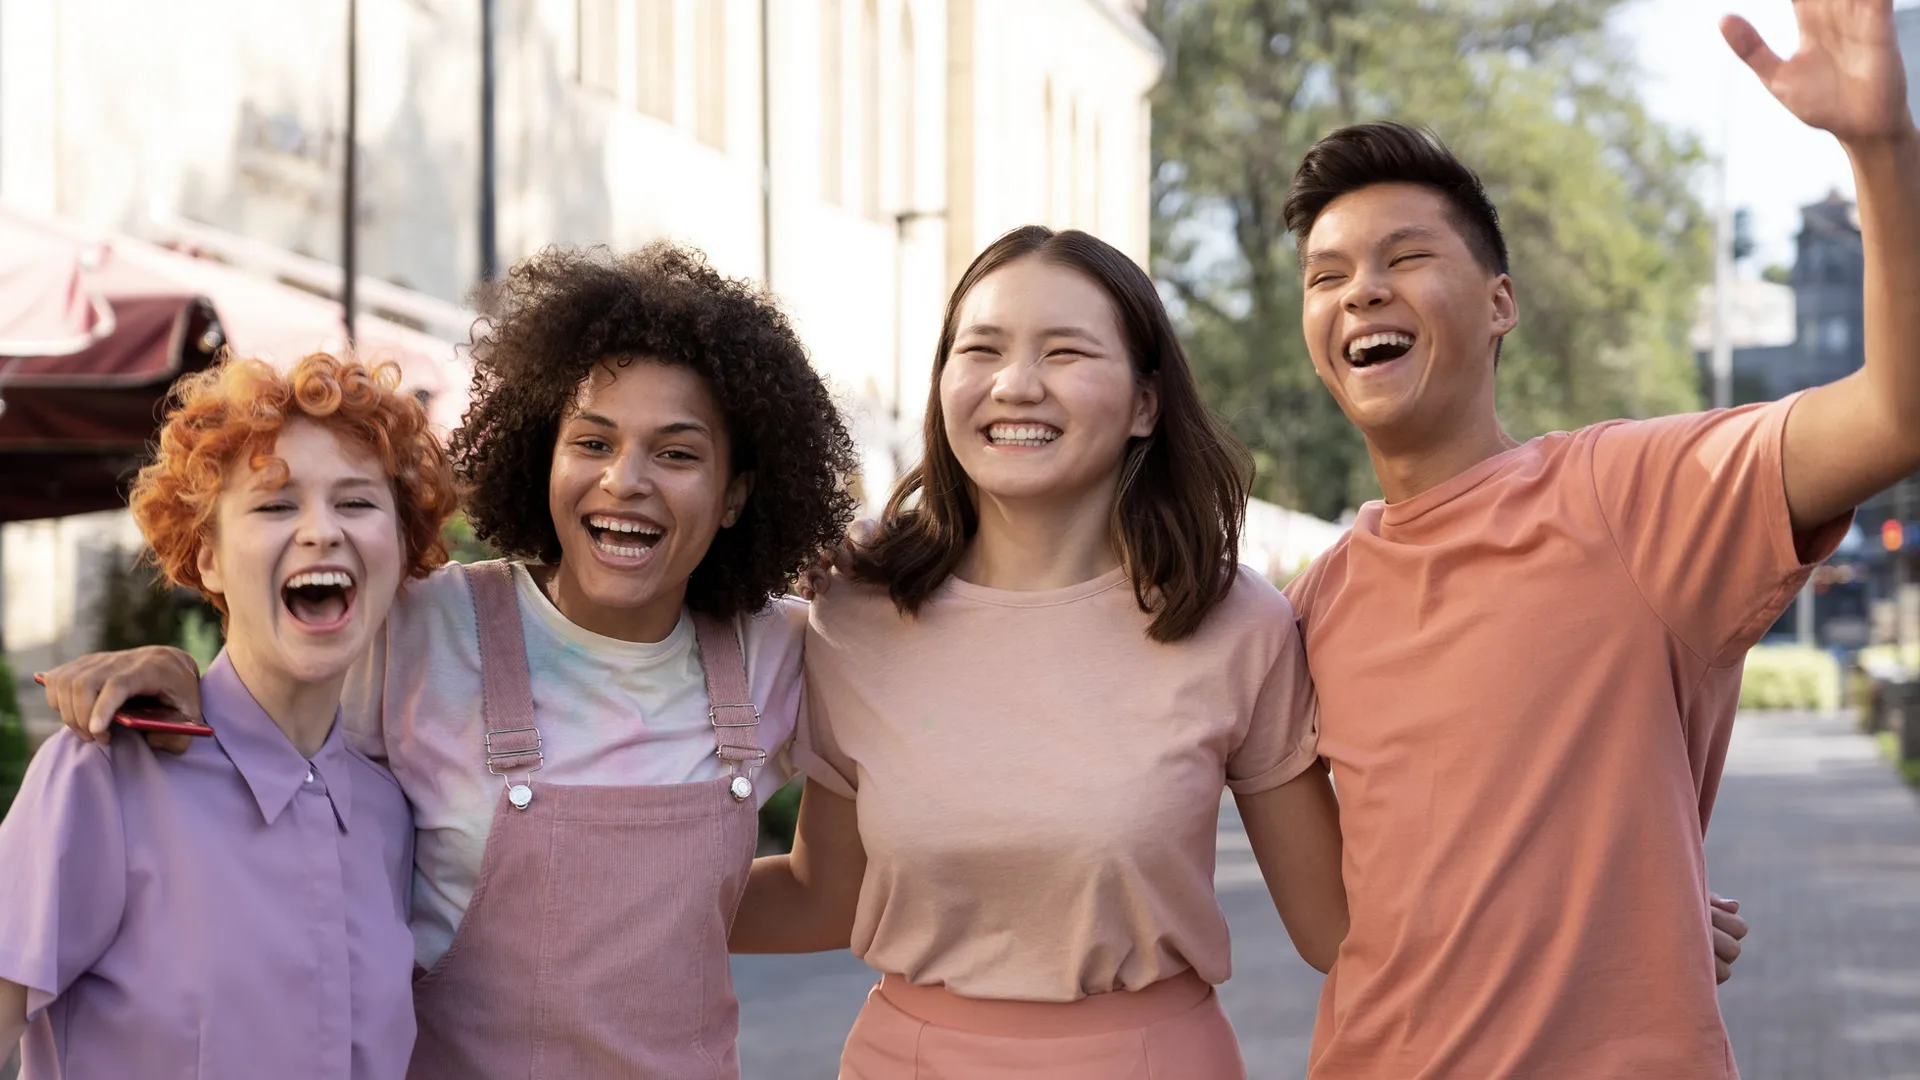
point(1172, 1029)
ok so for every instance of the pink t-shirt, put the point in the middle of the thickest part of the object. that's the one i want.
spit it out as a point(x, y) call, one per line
point(1039, 782)
point(1527, 679)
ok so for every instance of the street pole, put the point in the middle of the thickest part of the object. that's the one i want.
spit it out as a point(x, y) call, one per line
point(766, 149)
point(489, 246)
point(350, 193)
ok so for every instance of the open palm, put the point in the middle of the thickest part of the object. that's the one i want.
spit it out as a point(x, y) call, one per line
point(1845, 78)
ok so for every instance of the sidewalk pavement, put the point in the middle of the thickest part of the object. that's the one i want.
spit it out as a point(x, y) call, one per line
point(1820, 842)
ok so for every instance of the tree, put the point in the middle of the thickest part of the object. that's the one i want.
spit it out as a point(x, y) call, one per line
point(1608, 244)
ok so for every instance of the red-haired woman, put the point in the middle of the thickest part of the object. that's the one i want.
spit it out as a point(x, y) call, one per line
point(240, 910)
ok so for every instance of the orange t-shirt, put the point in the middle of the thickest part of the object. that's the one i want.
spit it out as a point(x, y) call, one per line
point(1527, 677)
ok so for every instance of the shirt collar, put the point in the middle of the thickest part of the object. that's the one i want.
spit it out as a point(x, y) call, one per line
point(273, 770)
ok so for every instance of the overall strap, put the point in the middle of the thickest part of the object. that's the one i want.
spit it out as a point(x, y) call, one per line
point(512, 742)
point(730, 706)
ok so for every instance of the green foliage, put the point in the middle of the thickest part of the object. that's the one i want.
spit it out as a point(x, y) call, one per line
point(462, 545)
point(779, 818)
point(1790, 677)
point(1608, 244)
point(13, 739)
point(1890, 749)
point(136, 606)
point(1777, 275)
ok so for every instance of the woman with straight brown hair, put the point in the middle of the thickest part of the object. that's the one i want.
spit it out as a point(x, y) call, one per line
point(1025, 703)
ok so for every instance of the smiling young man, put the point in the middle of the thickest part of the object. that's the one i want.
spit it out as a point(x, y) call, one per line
point(1528, 655)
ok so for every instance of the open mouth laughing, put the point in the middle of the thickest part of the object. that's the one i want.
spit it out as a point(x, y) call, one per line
point(321, 598)
point(1378, 348)
point(622, 538)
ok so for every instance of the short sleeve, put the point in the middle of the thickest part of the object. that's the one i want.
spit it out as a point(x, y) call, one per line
point(63, 868)
point(1283, 734)
point(1697, 507)
point(816, 753)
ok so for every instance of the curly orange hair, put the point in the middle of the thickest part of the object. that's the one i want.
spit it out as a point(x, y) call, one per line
point(239, 406)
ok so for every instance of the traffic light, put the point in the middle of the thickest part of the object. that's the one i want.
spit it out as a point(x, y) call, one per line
point(1893, 535)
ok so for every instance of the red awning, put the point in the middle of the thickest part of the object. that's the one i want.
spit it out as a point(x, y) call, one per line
point(74, 424)
point(131, 317)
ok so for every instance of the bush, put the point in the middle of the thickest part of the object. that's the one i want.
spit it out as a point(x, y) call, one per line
point(13, 739)
point(1790, 677)
point(779, 818)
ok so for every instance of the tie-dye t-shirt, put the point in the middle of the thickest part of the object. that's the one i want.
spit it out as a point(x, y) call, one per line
point(609, 712)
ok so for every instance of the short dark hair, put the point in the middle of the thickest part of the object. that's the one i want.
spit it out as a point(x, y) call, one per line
point(561, 313)
point(1183, 489)
point(1388, 153)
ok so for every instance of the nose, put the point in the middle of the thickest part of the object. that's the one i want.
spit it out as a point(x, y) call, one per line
point(1018, 382)
point(320, 526)
point(1366, 291)
point(628, 476)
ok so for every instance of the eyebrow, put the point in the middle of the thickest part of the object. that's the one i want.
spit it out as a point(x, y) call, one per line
point(677, 427)
point(1399, 235)
point(1051, 331)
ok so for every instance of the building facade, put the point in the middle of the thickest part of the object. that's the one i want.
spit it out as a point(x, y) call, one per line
point(852, 154)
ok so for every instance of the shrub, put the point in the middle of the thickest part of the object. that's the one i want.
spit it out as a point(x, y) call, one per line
point(1790, 677)
point(779, 818)
point(13, 739)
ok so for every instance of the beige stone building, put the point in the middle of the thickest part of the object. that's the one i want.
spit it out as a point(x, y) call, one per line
point(854, 154)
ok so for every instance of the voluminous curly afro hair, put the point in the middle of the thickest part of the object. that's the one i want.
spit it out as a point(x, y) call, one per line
point(562, 312)
point(237, 408)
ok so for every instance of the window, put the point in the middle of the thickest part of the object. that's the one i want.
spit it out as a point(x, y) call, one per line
point(909, 104)
point(599, 59)
point(831, 103)
point(710, 72)
point(656, 58)
point(869, 97)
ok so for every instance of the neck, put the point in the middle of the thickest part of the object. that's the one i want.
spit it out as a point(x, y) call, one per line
point(1023, 546)
point(1408, 464)
point(646, 624)
point(303, 711)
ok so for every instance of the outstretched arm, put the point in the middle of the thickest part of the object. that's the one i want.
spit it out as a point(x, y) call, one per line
point(1848, 439)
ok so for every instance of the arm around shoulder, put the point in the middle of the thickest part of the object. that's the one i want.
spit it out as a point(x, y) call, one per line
point(805, 901)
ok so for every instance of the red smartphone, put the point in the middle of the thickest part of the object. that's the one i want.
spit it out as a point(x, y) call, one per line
point(151, 714)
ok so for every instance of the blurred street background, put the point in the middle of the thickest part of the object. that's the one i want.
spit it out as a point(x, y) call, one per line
point(277, 176)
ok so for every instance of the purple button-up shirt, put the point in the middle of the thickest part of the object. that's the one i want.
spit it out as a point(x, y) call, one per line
point(234, 911)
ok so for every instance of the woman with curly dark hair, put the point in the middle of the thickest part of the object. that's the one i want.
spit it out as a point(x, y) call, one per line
point(587, 728)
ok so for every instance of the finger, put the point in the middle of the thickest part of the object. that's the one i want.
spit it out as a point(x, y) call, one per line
point(1722, 971)
point(1726, 922)
point(1722, 902)
point(106, 701)
point(71, 713)
point(1726, 947)
point(1750, 47)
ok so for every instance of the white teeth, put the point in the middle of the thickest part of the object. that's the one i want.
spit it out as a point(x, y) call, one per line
point(622, 550)
point(621, 525)
point(1021, 434)
point(1374, 341)
point(320, 577)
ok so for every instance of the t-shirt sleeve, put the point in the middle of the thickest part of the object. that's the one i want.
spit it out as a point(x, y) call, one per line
point(816, 753)
point(63, 876)
point(1697, 507)
point(1283, 734)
